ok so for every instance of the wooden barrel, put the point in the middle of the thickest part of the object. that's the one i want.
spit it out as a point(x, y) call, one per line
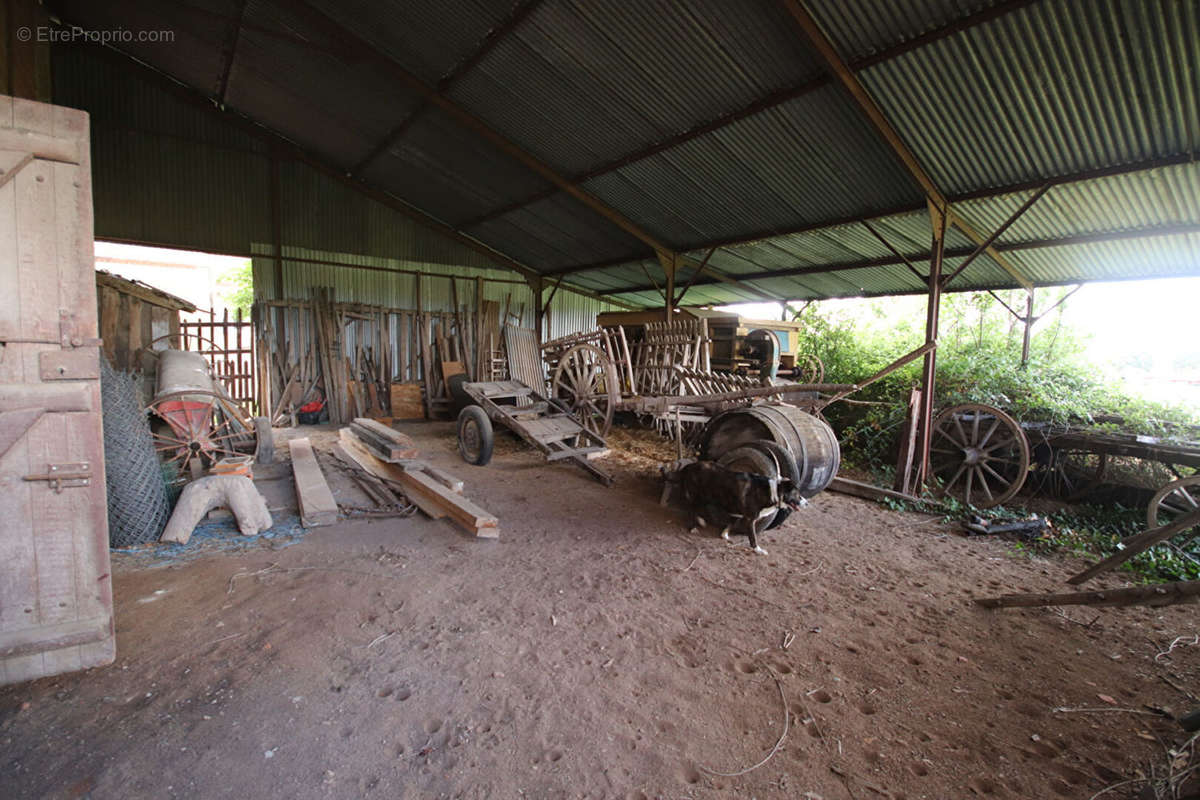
point(811, 441)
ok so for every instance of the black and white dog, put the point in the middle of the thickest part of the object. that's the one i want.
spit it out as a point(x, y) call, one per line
point(741, 502)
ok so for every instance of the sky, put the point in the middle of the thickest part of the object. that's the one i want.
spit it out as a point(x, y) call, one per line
point(1155, 318)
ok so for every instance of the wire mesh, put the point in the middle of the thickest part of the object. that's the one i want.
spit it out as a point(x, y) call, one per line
point(138, 503)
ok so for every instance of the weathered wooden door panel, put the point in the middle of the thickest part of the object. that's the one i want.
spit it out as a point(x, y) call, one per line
point(55, 584)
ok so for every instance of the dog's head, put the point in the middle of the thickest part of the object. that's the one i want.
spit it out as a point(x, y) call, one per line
point(789, 495)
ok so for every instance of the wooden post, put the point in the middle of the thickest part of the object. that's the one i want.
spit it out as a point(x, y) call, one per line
point(929, 373)
point(1028, 320)
point(536, 285)
point(277, 246)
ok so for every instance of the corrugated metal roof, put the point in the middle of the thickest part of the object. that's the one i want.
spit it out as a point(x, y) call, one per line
point(583, 82)
point(1048, 90)
point(986, 94)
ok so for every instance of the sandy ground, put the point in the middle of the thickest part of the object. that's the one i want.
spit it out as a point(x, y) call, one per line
point(598, 649)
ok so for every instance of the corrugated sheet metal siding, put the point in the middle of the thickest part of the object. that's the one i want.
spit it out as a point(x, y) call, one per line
point(169, 191)
point(1059, 86)
point(569, 312)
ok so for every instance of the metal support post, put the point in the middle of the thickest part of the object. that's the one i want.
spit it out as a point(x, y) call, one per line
point(1028, 319)
point(929, 373)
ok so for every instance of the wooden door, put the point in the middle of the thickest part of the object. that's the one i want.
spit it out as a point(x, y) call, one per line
point(55, 583)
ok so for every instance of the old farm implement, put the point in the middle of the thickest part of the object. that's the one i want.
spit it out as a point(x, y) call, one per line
point(195, 421)
point(984, 456)
point(541, 422)
point(664, 378)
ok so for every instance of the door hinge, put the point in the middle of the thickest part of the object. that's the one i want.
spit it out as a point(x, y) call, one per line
point(65, 476)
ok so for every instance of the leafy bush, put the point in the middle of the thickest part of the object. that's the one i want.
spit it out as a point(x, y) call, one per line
point(978, 360)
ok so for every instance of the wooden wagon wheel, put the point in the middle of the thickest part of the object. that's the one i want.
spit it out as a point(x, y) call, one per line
point(1178, 497)
point(978, 453)
point(586, 383)
point(197, 426)
point(810, 370)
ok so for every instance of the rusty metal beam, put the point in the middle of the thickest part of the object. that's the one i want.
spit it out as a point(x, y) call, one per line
point(895, 252)
point(493, 38)
point(960, 252)
point(764, 103)
point(235, 36)
point(843, 72)
point(383, 63)
point(695, 274)
point(987, 245)
point(980, 194)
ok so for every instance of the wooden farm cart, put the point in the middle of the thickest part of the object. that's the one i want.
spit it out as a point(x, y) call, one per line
point(984, 456)
point(541, 422)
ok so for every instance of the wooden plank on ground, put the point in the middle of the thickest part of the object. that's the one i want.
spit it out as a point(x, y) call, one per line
point(425, 491)
point(317, 506)
point(869, 492)
point(1163, 594)
point(1136, 544)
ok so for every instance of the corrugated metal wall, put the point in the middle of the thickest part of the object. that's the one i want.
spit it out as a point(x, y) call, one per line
point(169, 173)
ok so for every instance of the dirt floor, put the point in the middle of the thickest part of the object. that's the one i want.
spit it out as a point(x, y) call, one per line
point(597, 649)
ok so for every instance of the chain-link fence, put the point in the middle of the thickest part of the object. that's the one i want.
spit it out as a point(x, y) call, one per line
point(138, 503)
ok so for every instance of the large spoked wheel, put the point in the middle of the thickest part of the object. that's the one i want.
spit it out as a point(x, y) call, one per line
point(476, 438)
point(978, 454)
point(810, 370)
point(195, 428)
point(1177, 498)
point(586, 383)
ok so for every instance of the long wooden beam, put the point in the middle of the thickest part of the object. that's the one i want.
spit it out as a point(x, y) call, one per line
point(843, 72)
point(1163, 594)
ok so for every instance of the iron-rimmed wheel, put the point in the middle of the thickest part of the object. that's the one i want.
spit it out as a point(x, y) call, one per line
point(475, 436)
point(198, 428)
point(978, 454)
point(1177, 498)
point(586, 383)
point(810, 370)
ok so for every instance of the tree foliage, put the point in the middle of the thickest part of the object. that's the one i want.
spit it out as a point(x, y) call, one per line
point(978, 360)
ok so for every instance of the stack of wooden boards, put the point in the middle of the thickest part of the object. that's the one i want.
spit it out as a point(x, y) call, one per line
point(391, 457)
point(384, 463)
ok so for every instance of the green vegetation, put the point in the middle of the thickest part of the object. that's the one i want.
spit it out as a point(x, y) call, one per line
point(979, 360)
point(979, 357)
point(235, 289)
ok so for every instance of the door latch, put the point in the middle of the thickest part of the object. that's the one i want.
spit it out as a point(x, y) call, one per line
point(65, 476)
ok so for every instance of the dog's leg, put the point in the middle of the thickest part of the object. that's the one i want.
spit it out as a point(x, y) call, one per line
point(754, 538)
point(725, 532)
point(697, 523)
